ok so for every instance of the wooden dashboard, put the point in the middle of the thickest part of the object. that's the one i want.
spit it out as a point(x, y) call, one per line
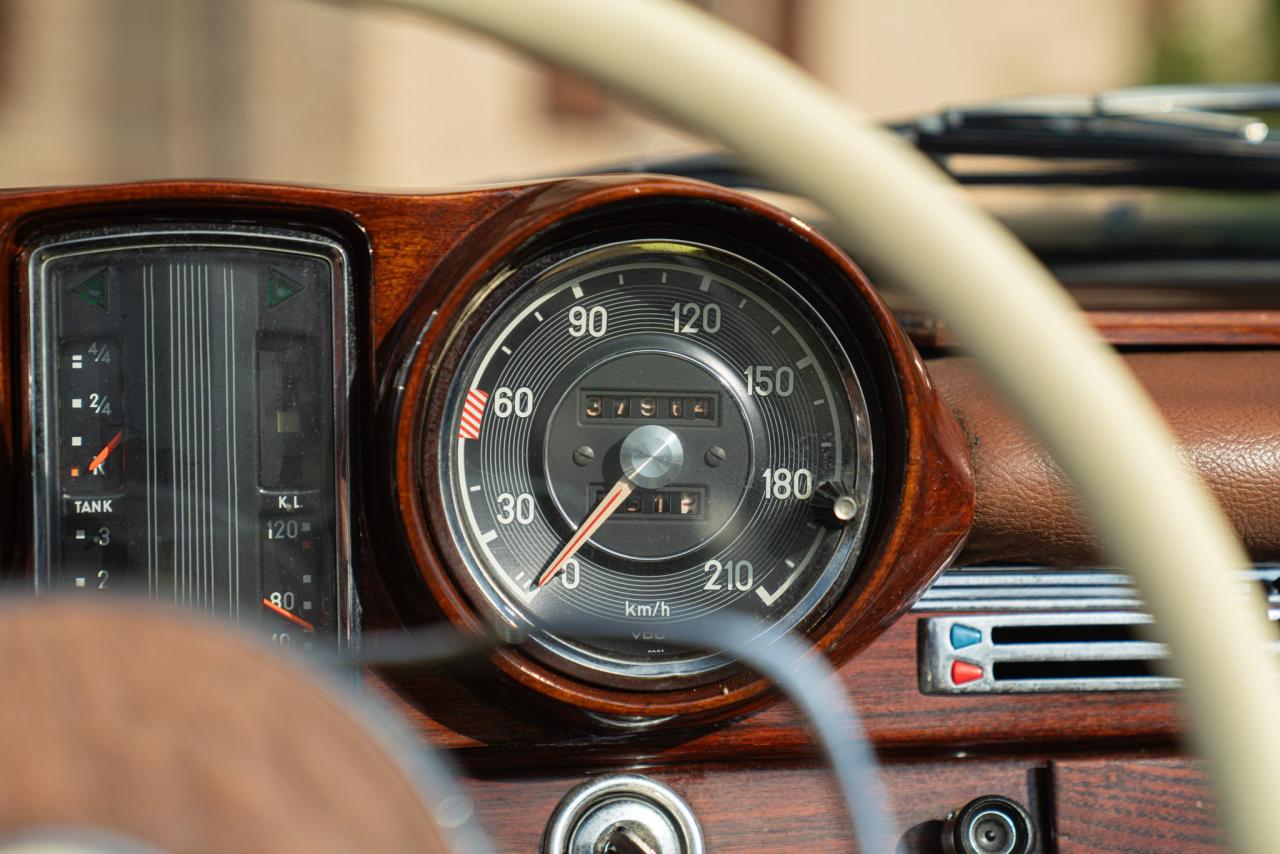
point(1097, 771)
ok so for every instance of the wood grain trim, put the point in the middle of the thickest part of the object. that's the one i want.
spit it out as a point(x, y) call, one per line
point(1145, 328)
point(1188, 328)
point(928, 500)
point(416, 248)
point(1124, 803)
point(882, 683)
point(417, 261)
point(764, 809)
point(1137, 806)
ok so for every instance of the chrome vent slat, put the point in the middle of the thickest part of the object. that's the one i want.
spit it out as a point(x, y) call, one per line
point(985, 656)
point(1039, 589)
point(1044, 631)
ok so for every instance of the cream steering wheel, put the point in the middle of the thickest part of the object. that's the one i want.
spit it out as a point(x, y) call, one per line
point(1157, 520)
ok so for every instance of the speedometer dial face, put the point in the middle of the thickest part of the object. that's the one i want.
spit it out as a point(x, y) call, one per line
point(646, 433)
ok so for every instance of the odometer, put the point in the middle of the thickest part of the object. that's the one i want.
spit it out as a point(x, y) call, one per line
point(648, 432)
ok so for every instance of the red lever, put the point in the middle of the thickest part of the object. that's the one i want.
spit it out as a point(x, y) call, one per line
point(962, 672)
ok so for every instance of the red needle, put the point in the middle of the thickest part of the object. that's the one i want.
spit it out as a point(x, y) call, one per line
point(612, 501)
point(105, 452)
point(272, 606)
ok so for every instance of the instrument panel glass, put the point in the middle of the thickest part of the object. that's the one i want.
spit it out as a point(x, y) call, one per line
point(188, 395)
point(648, 432)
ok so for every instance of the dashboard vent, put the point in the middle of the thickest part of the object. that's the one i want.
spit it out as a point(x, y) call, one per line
point(1034, 653)
point(1040, 653)
point(1011, 630)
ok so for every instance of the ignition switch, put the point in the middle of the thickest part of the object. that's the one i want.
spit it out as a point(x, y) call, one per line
point(622, 814)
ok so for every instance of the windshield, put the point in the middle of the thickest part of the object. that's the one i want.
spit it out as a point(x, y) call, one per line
point(286, 90)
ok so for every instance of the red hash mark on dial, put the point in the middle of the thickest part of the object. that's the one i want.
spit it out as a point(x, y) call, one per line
point(472, 413)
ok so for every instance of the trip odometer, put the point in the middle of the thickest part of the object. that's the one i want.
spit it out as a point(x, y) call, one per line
point(648, 432)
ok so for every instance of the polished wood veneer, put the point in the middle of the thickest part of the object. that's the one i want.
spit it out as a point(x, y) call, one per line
point(753, 778)
point(762, 808)
point(921, 514)
point(1133, 806)
point(882, 683)
point(1140, 328)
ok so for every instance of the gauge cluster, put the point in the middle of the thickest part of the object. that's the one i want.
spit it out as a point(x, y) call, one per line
point(648, 432)
point(649, 411)
point(630, 403)
point(188, 398)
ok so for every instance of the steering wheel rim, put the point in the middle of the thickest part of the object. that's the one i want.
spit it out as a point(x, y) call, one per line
point(1156, 519)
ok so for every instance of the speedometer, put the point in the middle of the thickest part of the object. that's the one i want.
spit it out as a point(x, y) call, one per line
point(647, 432)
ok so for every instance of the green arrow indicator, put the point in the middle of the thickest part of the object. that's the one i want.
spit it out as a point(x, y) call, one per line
point(93, 290)
point(280, 288)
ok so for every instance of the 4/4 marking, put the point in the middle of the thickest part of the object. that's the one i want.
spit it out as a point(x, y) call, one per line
point(472, 414)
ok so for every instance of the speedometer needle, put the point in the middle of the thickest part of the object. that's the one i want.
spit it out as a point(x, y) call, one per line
point(612, 501)
point(651, 457)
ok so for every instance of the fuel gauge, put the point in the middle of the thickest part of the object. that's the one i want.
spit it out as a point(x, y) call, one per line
point(92, 422)
point(188, 400)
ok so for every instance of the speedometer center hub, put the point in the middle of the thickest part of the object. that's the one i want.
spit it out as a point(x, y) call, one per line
point(651, 456)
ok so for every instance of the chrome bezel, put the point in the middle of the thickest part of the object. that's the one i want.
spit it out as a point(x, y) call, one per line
point(563, 654)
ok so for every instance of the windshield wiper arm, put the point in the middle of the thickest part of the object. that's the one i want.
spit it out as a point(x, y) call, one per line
point(1149, 121)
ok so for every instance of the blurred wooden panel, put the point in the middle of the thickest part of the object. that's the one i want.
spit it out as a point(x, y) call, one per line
point(1218, 328)
point(763, 808)
point(1134, 806)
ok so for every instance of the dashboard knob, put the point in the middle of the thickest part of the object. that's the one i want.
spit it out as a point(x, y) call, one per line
point(991, 824)
point(834, 505)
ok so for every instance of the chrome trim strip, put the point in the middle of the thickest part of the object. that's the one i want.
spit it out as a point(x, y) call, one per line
point(1042, 589)
point(969, 642)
